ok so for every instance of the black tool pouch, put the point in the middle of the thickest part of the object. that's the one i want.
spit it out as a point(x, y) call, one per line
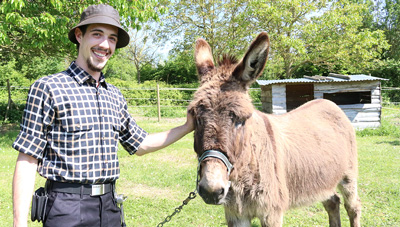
point(39, 203)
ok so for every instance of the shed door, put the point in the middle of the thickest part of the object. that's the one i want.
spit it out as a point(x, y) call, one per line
point(298, 94)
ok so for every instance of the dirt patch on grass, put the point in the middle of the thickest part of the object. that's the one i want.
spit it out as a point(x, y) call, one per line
point(8, 127)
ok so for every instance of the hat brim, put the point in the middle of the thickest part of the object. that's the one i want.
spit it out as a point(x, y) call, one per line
point(123, 36)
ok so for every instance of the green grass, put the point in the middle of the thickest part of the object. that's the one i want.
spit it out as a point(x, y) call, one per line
point(157, 183)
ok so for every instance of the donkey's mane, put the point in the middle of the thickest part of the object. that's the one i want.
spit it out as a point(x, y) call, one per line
point(227, 60)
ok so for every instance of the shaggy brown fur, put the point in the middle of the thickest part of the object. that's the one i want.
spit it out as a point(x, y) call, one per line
point(280, 162)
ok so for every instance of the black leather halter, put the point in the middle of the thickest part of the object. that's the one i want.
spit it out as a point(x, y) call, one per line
point(214, 154)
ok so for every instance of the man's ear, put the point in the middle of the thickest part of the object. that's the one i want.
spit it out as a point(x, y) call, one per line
point(78, 35)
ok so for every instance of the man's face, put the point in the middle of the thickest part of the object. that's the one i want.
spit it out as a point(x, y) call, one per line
point(96, 46)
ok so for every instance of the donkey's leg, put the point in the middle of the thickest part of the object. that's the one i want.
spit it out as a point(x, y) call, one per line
point(235, 220)
point(239, 222)
point(274, 219)
point(332, 206)
point(352, 202)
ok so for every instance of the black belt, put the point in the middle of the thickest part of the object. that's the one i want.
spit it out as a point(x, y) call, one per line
point(83, 189)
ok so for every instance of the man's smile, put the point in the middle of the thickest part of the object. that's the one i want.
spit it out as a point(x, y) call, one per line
point(100, 53)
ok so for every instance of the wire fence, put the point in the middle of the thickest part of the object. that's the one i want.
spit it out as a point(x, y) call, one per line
point(156, 101)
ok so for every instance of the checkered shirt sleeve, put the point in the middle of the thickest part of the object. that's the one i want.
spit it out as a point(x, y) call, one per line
point(73, 127)
point(38, 114)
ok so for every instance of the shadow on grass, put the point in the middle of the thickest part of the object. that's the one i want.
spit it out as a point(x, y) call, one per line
point(14, 114)
point(393, 143)
point(8, 133)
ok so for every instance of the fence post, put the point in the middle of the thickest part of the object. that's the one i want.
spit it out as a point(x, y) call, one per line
point(10, 101)
point(158, 103)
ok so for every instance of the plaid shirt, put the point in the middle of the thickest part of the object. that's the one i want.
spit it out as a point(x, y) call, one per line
point(73, 126)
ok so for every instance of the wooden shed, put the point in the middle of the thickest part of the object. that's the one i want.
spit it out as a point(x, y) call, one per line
point(359, 96)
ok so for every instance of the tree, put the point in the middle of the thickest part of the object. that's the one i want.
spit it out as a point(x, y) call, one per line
point(39, 28)
point(120, 67)
point(141, 50)
point(178, 69)
point(325, 34)
point(220, 22)
point(385, 15)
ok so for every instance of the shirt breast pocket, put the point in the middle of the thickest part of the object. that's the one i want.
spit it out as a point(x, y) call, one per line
point(74, 124)
point(73, 119)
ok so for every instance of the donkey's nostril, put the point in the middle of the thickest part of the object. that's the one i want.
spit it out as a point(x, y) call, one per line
point(211, 197)
point(220, 193)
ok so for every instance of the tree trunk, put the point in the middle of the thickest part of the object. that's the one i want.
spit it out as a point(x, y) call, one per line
point(10, 101)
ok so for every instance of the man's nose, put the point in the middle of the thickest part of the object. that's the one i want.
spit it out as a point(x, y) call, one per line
point(105, 44)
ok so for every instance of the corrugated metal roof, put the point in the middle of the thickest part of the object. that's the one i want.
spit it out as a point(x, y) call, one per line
point(331, 79)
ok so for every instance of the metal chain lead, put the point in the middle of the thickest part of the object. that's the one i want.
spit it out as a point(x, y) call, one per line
point(191, 196)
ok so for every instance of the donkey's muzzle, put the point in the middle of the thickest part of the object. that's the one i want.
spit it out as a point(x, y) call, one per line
point(213, 197)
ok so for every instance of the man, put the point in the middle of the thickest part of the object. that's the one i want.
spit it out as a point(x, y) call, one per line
point(70, 130)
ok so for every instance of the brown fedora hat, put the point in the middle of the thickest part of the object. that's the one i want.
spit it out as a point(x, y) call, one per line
point(101, 14)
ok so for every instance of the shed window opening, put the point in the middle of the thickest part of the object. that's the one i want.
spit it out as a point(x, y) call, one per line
point(298, 94)
point(348, 98)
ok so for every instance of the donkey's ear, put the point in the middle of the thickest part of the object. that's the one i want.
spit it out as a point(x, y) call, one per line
point(203, 58)
point(253, 62)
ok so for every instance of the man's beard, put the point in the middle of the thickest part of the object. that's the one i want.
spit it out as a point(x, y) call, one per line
point(92, 67)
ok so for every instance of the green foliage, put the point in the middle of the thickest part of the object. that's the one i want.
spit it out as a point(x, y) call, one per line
point(14, 115)
point(386, 129)
point(142, 98)
point(40, 27)
point(9, 71)
point(141, 51)
point(169, 112)
point(176, 70)
point(121, 68)
point(38, 67)
point(326, 35)
point(385, 16)
point(323, 34)
point(222, 23)
point(389, 69)
point(390, 124)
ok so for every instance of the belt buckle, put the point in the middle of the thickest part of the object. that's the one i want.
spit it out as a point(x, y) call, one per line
point(97, 189)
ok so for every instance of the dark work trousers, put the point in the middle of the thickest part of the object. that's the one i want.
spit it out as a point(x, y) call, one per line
point(70, 210)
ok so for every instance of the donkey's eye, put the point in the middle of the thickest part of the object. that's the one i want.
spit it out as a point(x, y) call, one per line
point(239, 123)
point(236, 119)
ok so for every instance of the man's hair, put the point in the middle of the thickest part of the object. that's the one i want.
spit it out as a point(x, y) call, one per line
point(83, 29)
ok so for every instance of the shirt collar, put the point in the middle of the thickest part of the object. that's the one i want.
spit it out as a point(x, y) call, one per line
point(81, 76)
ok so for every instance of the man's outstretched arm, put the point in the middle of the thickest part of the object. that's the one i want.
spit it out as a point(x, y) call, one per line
point(157, 141)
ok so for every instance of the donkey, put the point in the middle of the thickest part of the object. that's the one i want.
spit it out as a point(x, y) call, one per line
point(279, 162)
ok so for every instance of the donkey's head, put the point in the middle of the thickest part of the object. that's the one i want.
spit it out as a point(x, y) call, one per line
point(221, 108)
